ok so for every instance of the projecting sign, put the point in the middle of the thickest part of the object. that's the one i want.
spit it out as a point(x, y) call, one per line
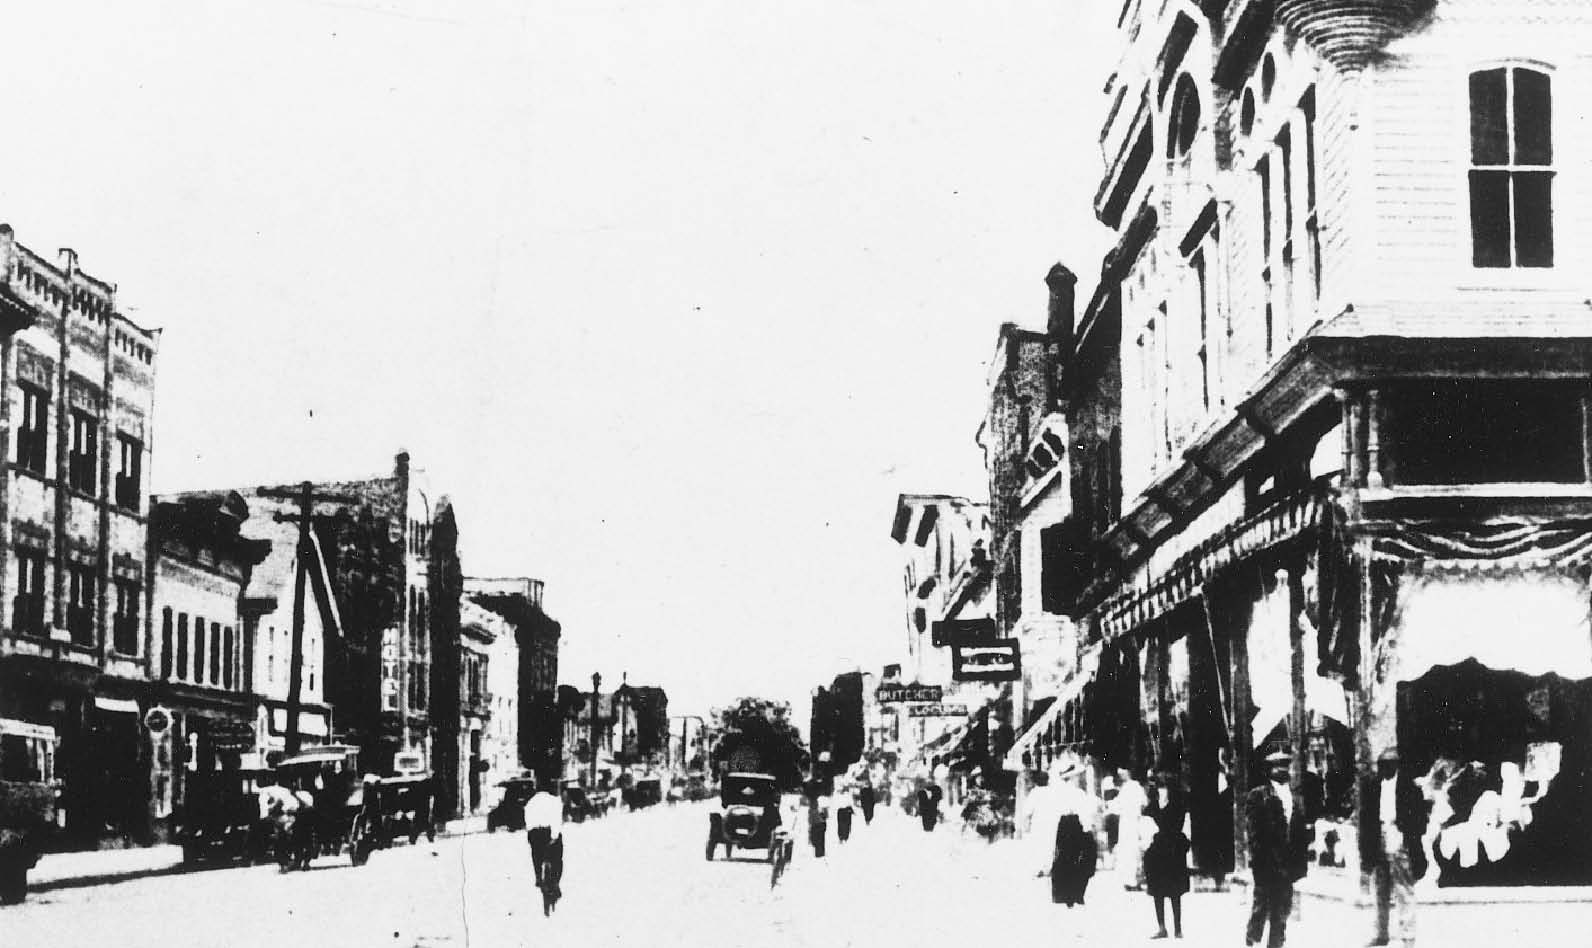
point(937, 711)
point(996, 661)
point(962, 632)
point(913, 692)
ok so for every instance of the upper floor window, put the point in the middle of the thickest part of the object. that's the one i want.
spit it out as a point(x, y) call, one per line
point(33, 434)
point(1185, 122)
point(82, 594)
point(1511, 174)
point(129, 473)
point(27, 616)
point(124, 623)
point(83, 462)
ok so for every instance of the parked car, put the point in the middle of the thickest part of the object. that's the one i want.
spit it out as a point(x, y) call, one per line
point(27, 802)
point(579, 806)
point(220, 817)
point(748, 813)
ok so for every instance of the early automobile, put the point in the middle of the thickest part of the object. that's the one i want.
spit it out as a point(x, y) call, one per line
point(399, 806)
point(579, 806)
point(27, 801)
point(645, 792)
point(338, 821)
point(220, 817)
point(509, 813)
point(747, 815)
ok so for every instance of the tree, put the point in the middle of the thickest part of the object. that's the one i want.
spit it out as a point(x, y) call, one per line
point(757, 734)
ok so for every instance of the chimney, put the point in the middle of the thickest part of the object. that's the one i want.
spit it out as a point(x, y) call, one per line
point(1063, 287)
point(8, 240)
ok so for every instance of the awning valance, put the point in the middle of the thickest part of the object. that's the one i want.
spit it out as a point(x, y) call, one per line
point(1289, 518)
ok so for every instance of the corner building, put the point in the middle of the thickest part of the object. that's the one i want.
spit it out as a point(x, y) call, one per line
point(1354, 360)
point(78, 382)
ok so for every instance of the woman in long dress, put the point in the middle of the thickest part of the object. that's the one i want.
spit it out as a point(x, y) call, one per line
point(1073, 863)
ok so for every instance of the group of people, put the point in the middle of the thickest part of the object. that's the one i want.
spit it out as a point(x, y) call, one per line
point(840, 800)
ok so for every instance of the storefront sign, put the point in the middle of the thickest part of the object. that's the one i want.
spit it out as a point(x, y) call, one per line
point(997, 661)
point(963, 632)
point(230, 735)
point(914, 692)
point(937, 711)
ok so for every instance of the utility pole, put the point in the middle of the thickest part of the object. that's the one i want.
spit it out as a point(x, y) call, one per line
point(306, 496)
point(596, 685)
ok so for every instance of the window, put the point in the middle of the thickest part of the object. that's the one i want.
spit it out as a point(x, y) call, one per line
point(1246, 113)
point(82, 587)
point(270, 656)
point(182, 645)
point(1202, 289)
point(33, 433)
point(1478, 432)
point(28, 610)
point(1263, 172)
point(165, 643)
point(1185, 124)
point(124, 625)
point(128, 474)
point(200, 632)
point(229, 656)
point(1511, 175)
point(216, 655)
point(83, 461)
point(1312, 223)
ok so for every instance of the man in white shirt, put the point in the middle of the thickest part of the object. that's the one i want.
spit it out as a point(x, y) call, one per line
point(544, 829)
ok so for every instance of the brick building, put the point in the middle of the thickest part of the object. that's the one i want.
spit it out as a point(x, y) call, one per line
point(1332, 463)
point(78, 380)
point(201, 653)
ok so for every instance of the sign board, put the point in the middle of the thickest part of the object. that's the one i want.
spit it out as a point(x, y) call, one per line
point(962, 632)
point(888, 693)
point(937, 711)
point(157, 720)
point(230, 735)
point(998, 661)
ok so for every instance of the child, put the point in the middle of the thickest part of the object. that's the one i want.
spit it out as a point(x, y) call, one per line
point(1166, 870)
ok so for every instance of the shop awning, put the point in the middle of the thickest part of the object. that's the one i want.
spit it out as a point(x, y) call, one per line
point(1069, 692)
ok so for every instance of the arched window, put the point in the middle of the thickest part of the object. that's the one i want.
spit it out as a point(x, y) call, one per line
point(1511, 168)
point(1185, 122)
point(1246, 113)
point(1268, 77)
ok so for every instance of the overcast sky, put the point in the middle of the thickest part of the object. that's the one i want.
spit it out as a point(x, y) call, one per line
point(673, 297)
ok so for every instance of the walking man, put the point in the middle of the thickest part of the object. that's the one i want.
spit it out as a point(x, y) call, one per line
point(1393, 824)
point(866, 799)
point(843, 808)
point(1277, 854)
point(544, 829)
point(929, 805)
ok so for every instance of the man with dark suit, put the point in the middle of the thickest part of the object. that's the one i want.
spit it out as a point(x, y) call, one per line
point(1393, 819)
point(1277, 850)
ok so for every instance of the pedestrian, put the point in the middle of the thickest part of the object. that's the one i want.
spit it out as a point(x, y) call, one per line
point(843, 806)
point(1073, 862)
point(817, 818)
point(929, 805)
point(1128, 807)
point(1277, 854)
point(867, 800)
point(1042, 810)
point(1166, 870)
point(544, 830)
point(1392, 846)
point(425, 793)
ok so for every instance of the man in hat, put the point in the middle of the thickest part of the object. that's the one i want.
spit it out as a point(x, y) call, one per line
point(1277, 850)
point(1392, 828)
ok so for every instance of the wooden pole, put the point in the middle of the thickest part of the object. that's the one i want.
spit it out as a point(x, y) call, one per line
point(295, 679)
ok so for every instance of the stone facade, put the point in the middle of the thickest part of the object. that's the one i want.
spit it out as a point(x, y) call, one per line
point(78, 396)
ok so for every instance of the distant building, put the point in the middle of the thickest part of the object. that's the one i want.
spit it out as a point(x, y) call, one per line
point(74, 656)
point(538, 728)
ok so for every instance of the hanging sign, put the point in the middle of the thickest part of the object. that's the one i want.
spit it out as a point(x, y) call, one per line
point(156, 720)
point(937, 711)
point(998, 661)
point(962, 632)
point(888, 693)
